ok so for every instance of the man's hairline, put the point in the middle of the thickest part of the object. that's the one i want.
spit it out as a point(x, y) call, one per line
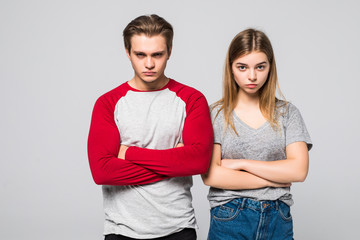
point(168, 49)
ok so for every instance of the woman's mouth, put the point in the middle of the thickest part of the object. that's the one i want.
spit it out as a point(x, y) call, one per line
point(251, 85)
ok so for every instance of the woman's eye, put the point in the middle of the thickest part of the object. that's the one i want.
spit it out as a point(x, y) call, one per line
point(261, 67)
point(242, 68)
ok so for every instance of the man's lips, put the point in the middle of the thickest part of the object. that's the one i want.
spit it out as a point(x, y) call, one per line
point(149, 73)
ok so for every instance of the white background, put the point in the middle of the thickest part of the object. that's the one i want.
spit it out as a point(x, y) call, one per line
point(57, 57)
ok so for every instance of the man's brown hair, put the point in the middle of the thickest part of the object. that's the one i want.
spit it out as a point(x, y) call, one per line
point(150, 25)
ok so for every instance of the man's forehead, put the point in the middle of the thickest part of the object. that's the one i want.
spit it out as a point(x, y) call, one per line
point(144, 43)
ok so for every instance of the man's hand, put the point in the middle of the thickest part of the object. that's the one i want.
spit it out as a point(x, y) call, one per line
point(180, 145)
point(122, 151)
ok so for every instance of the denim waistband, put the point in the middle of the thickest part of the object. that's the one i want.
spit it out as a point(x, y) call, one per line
point(257, 205)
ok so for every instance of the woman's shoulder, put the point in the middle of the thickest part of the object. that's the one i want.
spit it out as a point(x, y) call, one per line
point(216, 111)
point(216, 107)
point(288, 112)
point(285, 107)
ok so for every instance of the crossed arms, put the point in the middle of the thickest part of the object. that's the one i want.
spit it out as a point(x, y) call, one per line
point(252, 174)
point(142, 165)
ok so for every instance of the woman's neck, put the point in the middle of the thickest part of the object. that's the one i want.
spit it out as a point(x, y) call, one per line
point(248, 110)
point(246, 101)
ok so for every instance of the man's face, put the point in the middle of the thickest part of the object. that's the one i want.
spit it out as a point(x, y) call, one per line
point(148, 56)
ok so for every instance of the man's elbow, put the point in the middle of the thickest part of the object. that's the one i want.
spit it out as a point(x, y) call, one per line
point(205, 160)
point(99, 180)
point(204, 166)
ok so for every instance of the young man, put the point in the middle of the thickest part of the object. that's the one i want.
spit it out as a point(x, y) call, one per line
point(147, 137)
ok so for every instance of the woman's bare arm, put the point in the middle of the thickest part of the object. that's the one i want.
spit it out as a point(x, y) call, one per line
point(222, 177)
point(292, 169)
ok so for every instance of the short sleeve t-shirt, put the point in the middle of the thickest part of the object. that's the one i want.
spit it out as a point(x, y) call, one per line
point(263, 143)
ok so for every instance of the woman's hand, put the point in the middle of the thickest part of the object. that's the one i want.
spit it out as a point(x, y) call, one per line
point(235, 164)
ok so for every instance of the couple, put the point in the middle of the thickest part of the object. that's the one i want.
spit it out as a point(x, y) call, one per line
point(151, 134)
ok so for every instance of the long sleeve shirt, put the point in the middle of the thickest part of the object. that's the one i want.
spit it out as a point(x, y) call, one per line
point(154, 180)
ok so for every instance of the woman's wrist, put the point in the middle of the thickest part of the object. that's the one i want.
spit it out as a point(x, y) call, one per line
point(236, 164)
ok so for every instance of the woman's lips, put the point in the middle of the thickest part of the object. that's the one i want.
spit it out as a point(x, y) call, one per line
point(251, 85)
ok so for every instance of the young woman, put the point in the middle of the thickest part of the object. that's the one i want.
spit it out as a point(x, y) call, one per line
point(261, 147)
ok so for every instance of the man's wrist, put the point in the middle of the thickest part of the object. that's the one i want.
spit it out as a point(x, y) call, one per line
point(122, 151)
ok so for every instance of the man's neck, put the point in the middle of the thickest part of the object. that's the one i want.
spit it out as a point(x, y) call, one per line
point(142, 85)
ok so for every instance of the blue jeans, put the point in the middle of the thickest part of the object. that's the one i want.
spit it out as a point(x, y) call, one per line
point(244, 218)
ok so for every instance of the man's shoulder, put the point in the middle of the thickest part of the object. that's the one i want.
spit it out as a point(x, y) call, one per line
point(184, 91)
point(115, 94)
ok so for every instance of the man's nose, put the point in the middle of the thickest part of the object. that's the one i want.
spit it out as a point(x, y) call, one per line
point(149, 63)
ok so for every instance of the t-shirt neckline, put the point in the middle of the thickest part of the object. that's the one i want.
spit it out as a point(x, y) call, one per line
point(156, 90)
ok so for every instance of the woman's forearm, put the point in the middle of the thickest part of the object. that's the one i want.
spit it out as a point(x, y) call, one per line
point(292, 169)
point(225, 178)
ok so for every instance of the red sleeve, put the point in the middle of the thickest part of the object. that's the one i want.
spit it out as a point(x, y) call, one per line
point(194, 157)
point(103, 148)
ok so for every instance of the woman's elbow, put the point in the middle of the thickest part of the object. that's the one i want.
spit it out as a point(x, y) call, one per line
point(206, 179)
point(301, 176)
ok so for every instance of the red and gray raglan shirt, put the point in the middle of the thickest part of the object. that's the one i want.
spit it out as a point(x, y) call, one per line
point(147, 194)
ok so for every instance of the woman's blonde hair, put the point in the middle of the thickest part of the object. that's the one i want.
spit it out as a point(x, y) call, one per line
point(245, 42)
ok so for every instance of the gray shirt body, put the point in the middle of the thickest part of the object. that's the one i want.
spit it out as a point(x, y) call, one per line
point(263, 143)
point(153, 120)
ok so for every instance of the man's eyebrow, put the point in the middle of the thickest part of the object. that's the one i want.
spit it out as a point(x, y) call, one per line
point(137, 52)
point(158, 52)
point(140, 52)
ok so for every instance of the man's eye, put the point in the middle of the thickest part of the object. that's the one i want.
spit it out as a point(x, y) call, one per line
point(158, 54)
point(140, 54)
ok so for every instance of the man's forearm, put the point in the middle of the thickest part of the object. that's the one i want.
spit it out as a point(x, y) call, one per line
point(193, 158)
point(103, 148)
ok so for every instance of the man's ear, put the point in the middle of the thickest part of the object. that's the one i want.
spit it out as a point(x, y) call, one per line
point(127, 53)
point(169, 53)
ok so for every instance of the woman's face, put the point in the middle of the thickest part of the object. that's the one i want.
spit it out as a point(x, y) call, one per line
point(251, 71)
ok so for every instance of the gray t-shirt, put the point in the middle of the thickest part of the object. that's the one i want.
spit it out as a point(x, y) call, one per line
point(264, 144)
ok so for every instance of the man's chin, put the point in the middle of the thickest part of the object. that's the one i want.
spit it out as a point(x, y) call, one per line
point(150, 79)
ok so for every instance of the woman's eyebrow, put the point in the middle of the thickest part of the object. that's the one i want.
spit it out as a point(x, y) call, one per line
point(240, 63)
